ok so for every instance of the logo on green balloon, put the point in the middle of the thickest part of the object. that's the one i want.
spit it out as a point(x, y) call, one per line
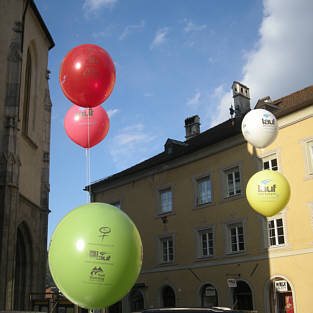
point(97, 274)
point(104, 231)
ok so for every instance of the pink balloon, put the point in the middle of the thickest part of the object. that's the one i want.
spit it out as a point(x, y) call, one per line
point(86, 126)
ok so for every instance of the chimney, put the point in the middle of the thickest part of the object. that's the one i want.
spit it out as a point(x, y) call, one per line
point(241, 97)
point(192, 126)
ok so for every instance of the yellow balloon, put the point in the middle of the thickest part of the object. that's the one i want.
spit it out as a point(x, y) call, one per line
point(268, 192)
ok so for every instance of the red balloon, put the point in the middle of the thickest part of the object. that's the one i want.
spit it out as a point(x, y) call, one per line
point(86, 127)
point(87, 75)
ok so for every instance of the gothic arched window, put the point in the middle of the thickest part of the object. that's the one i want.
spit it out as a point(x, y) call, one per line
point(27, 93)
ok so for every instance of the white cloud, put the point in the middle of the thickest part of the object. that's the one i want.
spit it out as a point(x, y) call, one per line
point(191, 27)
point(281, 62)
point(218, 91)
point(148, 94)
point(222, 112)
point(106, 32)
point(129, 143)
point(112, 112)
point(130, 28)
point(92, 6)
point(159, 38)
point(195, 100)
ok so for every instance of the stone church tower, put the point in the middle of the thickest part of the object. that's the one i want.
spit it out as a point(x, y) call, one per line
point(25, 113)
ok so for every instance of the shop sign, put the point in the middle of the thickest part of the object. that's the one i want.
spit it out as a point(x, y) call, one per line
point(281, 285)
point(209, 291)
point(231, 282)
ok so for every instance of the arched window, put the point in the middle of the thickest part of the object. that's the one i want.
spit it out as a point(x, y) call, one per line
point(242, 296)
point(27, 93)
point(208, 296)
point(280, 296)
point(168, 297)
point(23, 268)
point(136, 301)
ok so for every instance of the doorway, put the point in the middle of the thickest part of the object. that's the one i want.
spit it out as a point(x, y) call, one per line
point(242, 296)
point(168, 297)
point(281, 296)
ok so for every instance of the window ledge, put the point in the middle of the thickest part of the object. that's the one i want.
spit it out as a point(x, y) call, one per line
point(276, 248)
point(167, 264)
point(160, 215)
point(279, 247)
point(205, 258)
point(204, 205)
point(235, 197)
point(237, 253)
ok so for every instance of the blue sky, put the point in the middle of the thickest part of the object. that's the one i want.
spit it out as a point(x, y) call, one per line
point(174, 59)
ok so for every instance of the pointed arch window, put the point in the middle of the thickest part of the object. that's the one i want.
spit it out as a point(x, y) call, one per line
point(23, 268)
point(27, 93)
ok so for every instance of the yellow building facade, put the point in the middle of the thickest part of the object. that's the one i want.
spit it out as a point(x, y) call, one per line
point(203, 244)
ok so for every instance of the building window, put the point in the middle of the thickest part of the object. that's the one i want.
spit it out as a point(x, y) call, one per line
point(233, 184)
point(204, 191)
point(236, 237)
point(271, 164)
point(308, 156)
point(271, 160)
point(167, 250)
point(166, 203)
point(27, 93)
point(276, 235)
point(206, 241)
point(208, 296)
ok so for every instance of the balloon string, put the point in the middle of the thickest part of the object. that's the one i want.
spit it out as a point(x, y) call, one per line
point(88, 175)
point(88, 163)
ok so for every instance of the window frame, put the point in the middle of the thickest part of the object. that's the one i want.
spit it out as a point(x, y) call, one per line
point(197, 190)
point(161, 240)
point(199, 231)
point(159, 191)
point(28, 111)
point(265, 241)
point(269, 156)
point(271, 167)
point(238, 228)
point(228, 237)
point(307, 147)
point(266, 220)
point(276, 235)
point(27, 93)
point(224, 181)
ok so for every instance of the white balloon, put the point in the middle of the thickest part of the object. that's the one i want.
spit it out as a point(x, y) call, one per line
point(259, 127)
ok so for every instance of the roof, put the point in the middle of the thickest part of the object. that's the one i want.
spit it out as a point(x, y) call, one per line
point(42, 24)
point(225, 130)
point(288, 104)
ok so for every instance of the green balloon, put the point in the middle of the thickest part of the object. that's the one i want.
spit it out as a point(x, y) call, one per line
point(95, 255)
